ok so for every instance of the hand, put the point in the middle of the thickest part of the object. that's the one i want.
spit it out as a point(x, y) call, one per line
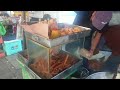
point(90, 54)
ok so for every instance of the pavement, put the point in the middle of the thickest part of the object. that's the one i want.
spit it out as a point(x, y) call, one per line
point(9, 68)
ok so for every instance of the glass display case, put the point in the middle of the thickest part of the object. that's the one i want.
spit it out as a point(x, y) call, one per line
point(48, 62)
point(47, 58)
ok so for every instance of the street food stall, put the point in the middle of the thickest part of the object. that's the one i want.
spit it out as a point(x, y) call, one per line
point(54, 47)
point(45, 57)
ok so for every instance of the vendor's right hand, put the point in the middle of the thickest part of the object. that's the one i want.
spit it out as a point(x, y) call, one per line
point(90, 54)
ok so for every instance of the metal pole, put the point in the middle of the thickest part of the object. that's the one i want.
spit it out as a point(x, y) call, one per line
point(24, 20)
point(24, 16)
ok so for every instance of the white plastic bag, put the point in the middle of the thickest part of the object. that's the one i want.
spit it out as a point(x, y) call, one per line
point(115, 18)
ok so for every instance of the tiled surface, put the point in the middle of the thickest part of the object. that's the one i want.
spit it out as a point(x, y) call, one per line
point(9, 68)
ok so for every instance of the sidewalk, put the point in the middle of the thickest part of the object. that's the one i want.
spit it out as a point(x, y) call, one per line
point(9, 68)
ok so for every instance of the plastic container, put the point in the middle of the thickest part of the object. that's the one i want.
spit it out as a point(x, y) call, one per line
point(12, 47)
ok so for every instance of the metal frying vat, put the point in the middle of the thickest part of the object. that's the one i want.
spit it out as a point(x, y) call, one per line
point(101, 75)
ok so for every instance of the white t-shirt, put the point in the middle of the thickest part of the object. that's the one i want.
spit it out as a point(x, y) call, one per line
point(115, 18)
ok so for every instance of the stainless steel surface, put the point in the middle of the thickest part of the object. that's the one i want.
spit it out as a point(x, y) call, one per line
point(61, 75)
point(39, 49)
point(58, 41)
point(21, 57)
point(68, 71)
point(101, 75)
point(31, 73)
point(24, 62)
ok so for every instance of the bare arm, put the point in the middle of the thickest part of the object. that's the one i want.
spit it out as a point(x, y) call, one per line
point(95, 42)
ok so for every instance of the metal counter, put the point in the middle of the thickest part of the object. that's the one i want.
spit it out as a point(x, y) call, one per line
point(58, 41)
point(40, 47)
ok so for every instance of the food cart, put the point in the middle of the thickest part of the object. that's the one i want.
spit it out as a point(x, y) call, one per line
point(46, 58)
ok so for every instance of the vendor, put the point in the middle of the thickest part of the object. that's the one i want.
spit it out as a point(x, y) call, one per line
point(101, 23)
point(83, 19)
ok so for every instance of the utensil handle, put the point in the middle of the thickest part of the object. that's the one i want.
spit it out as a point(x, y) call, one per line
point(115, 74)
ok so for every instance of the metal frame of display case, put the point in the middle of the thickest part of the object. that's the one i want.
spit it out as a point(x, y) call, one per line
point(58, 41)
point(50, 43)
point(63, 75)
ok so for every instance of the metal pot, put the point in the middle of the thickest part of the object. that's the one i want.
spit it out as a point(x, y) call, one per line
point(101, 75)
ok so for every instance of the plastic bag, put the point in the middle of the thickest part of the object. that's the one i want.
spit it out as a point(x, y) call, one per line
point(115, 20)
point(2, 30)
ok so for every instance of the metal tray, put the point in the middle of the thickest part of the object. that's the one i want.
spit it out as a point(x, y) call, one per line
point(101, 75)
point(58, 41)
point(61, 75)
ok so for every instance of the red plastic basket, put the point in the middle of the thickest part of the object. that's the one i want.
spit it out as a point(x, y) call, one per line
point(1, 40)
point(2, 55)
